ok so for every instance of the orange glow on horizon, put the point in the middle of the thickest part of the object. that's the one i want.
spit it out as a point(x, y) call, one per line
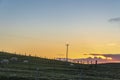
point(52, 49)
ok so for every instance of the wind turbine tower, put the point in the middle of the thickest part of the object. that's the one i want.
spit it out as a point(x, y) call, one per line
point(67, 46)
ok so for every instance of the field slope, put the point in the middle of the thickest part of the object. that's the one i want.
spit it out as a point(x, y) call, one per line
point(34, 68)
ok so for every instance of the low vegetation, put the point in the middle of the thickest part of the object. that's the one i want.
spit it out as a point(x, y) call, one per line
point(19, 67)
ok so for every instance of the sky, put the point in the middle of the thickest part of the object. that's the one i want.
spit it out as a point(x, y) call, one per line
point(43, 27)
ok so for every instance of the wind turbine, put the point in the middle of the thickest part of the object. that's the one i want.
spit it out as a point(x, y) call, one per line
point(67, 46)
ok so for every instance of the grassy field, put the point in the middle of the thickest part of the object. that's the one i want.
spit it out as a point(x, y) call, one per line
point(46, 69)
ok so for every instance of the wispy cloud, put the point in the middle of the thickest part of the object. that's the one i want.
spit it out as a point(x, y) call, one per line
point(117, 19)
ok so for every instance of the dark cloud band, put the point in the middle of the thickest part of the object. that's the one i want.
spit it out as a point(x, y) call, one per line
point(117, 19)
point(113, 56)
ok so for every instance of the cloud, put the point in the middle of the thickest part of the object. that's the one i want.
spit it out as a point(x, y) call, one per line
point(117, 19)
point(101, 58)
point(113, 56)
point(105, 58)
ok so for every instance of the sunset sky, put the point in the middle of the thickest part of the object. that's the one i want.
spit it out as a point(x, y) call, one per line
point(43, 27)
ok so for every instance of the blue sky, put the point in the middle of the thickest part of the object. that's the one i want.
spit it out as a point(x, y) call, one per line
point(83, 23)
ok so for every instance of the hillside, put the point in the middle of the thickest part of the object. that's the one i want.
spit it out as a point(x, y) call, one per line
point(19, 67)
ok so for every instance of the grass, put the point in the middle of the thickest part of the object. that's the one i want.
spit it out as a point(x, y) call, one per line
point(54, 70)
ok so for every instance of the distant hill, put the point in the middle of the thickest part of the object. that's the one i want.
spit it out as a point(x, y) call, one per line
point(19, 67)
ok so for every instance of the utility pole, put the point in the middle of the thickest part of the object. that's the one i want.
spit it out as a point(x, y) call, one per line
point(67, 45)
